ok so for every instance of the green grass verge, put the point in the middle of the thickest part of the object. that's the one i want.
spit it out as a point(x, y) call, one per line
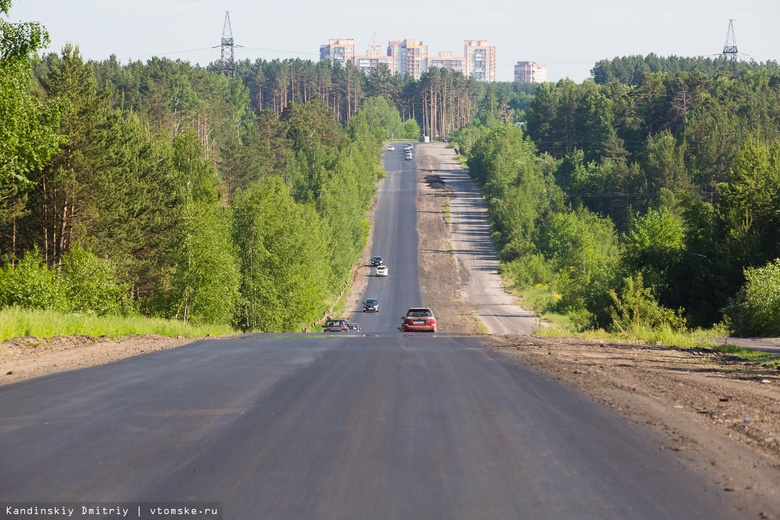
point(749, 354)
point(15, 322)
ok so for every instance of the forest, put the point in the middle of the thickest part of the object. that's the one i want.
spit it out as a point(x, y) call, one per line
point(650, 205)
point(647, 196)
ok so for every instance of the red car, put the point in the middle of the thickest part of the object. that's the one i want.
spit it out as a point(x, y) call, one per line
point(419, 319)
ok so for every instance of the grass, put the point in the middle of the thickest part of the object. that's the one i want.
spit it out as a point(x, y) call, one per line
point(447, 211)
point(15, 322)
point(768, 359)
point(540, 299)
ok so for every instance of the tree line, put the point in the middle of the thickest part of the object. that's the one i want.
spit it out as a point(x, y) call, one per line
point(158, 189)
point(171, 190)
point(652, 204)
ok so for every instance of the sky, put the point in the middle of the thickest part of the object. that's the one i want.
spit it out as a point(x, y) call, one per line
point(568, 36)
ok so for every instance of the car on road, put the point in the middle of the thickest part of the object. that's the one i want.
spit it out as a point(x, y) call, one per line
point(335, 325)
point(377, 260)
point(418, 319)
point(408, 157)
point(371, 305)
point(391, 148)
point(353, 327)
point(381, 270)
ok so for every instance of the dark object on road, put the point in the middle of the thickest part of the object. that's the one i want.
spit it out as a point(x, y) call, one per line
point(337, 325)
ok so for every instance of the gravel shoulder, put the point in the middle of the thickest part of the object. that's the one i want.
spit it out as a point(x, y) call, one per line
point(720, 415)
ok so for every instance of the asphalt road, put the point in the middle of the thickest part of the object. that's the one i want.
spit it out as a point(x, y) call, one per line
point(313, 426)
point(394, 238)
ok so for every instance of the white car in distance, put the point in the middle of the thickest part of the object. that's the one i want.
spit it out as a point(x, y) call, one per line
point(381, 270)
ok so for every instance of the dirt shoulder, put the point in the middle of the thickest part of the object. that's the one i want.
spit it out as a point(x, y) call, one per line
point(719, 414)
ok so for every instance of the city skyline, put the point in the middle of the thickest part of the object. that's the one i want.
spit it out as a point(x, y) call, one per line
point(566, 37)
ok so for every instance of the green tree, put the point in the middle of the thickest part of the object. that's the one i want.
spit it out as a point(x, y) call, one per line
point(383, 116)
point(654, 247)
point(583, 250)
point(280, 246)
point(750, 205)
point(28, 128)
point(755, 310)
point(204, 271)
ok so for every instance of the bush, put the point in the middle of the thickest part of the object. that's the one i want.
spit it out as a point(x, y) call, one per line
point(91, 284)
point(529, 270)
point(31, 285)
point(755, 310)
point(636, 310)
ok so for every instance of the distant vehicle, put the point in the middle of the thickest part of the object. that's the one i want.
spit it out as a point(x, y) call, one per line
point(353, 327)
point(408, 157)
point(419, 319)
point(381, 270)
point(375, 261)
point(391, 148)
point(337, 325)
point(371, 305)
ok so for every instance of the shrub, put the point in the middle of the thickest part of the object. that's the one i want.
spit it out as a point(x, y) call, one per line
point(91, 284)
point(755, 310)
point(636, 309)
point(31, 285)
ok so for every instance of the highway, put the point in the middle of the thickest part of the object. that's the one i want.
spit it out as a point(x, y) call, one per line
point(381, 425)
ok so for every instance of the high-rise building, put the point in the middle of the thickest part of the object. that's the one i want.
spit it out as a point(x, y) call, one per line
point(411, 57)
point(530, 72)
point(448, 60)
point(480, 60)
point(340, 50)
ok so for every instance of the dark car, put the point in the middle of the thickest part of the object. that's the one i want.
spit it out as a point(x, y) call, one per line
point(419, 319)
point(337, 325)
point(375, 261)
point(371, 305)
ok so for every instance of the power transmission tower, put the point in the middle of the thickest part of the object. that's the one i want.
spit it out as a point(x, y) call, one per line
point(730, 51)
point(226, 61)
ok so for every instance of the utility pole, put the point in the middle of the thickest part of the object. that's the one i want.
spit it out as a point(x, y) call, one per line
point(730, 52)
point(226, 61)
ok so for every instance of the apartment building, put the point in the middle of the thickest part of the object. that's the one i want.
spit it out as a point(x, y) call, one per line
point(480, 59)
point(341, 50)
point(373, 60)
point(411, 57)
point(448, 60)
point(530, 72)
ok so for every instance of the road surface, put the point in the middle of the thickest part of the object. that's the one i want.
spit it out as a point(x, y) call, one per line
point(313, 426)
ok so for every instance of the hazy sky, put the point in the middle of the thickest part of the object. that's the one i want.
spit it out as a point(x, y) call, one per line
point(569, 36)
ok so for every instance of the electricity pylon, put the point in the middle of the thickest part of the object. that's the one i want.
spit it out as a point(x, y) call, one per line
point(226, 61)
point(730, 51)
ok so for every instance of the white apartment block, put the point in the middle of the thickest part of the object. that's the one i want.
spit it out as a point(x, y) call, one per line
point(480, 60)
point(530, 72)
point(411, 57)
